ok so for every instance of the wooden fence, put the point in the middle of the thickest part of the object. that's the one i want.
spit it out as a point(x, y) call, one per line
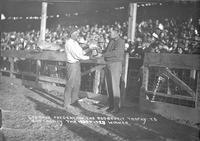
point(41, 81)
point(185, 105)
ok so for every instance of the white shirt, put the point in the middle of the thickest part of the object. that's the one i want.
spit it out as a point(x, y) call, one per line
point(74, 51)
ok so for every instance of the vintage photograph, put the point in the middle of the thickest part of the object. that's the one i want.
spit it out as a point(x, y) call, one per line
point(100, 70)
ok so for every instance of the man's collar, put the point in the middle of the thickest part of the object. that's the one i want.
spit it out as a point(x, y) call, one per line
point(73, 39)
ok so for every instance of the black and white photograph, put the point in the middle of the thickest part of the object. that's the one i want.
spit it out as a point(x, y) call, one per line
point(100, 70)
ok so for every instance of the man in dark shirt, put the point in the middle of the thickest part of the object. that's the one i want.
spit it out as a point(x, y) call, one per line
point(114, 56)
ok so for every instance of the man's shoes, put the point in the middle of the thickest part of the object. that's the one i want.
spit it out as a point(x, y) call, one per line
point(109, 109)
point(75, 104)
point(115, 111)
point(68, 107)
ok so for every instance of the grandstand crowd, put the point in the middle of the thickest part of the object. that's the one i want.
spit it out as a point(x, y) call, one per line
point(168, 35)
point(158, 35)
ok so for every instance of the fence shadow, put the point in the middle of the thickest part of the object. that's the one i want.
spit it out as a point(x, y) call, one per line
point(82, 131)
point(161, 129)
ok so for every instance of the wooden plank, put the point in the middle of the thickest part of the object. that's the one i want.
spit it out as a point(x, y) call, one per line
point(49, 87)
point(93, 69)
point(62, 67)
point(103, 1)
point(181, 61)
point(43, 21)
point(11, 60)
point(38, 66)
point(8, 71)
point(45, 55)
point(132, 21)
point(145, 78)
point(179, 82)
point(29, 74)
point(131, 36)
point(33, 54)
point(125, 69)
point(59, 80)
point(172, 96)
point(96, 82)
point(52, 79)
point(197, 101)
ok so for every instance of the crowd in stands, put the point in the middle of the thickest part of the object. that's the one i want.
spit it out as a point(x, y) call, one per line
point(168, 35)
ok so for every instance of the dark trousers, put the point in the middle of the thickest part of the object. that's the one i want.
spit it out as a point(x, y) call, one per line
point(113, 73)
point(73, 82)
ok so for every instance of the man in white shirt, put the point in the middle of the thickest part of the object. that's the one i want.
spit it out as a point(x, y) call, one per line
point(74, 54)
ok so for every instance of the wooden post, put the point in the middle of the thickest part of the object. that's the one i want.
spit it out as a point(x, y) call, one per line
point(193, 74)
point(42, 36)
point(132, 21)
point(197, 99)
point(131, 37)
point(11, 60)
point(131, 34)
point(145, 78)
point(96, 81)
point(43, 21)
point(38, 66)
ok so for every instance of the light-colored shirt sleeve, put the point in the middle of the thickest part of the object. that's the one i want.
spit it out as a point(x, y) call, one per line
point(74, 51)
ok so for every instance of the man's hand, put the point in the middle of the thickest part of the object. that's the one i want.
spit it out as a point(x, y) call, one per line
point(88, 50)
point(61, 50)
point(92, 57)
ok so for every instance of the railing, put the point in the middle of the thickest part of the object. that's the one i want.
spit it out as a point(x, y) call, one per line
point(35, 65)
point(171, 85)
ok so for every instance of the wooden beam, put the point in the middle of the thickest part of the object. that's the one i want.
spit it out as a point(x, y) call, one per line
point(8, 71)
point(92, 69)
point(35, 55)
point(29, 74)
point(178, 81)
point(180, 61)
point(172, 96)
point(11, 61)
point(45, 55)
point(131, 37)
point(60, 67)
point(43, 21)
point(145, 80)
point(96, 81)
point(132, 21)
point(38, 67)
point(52, 79)
point(74, 1)
point(197, 101)
point(102, 1)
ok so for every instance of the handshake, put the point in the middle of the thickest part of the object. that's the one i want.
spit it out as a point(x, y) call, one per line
point(92, 57)
point(95, 56)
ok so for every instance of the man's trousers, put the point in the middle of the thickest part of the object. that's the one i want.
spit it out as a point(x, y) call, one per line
point(113, 73)
point(73, 82)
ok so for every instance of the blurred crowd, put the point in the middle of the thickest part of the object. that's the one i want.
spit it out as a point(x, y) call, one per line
point(168, 35)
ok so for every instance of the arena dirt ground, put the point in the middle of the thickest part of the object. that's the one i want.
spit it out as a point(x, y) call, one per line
point(33, 115)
